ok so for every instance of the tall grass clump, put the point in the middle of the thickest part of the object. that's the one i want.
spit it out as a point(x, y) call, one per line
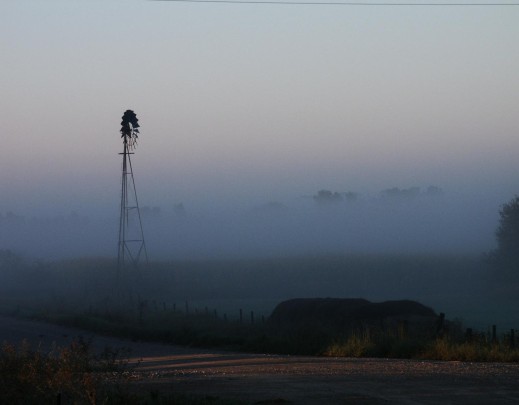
point(475, 350)
point(448, 348)
point(381, 344)
point(357, 345)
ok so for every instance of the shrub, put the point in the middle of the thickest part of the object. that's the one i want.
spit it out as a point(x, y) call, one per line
point(31, 377)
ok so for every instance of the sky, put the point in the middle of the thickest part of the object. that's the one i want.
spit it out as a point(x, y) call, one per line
point(243, 104)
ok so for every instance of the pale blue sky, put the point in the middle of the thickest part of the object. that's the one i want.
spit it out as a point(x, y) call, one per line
point(254, 102)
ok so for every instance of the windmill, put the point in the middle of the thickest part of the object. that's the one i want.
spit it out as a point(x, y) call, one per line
point(131, 236)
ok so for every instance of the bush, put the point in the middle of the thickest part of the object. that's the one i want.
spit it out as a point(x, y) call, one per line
point(357, 345)
point(73, 373)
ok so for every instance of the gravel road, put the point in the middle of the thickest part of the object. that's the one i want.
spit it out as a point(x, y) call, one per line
point(268, 379)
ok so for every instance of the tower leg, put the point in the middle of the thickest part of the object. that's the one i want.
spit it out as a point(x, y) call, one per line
point(131, 244)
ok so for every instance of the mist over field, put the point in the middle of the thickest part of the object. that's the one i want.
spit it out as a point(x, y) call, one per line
point(420, 243)
point(395, 220)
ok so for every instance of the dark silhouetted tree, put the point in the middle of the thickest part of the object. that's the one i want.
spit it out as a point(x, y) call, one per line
point(326, 196)
point(433, 191)
point(396, 192)
point(507, 233)
point(350, 196)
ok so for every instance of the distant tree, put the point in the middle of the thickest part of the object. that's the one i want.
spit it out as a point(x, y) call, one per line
point(9, 260)
point(396, 192)
point(11, 219)
point(179, 209)
point(507, 233)
point(151, 212)
point(434, 191)
point(326, 196)
point(350, 196)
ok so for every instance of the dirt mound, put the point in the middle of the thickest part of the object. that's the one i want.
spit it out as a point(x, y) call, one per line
point(347, 313)
point(305, 309)
point(394, 308)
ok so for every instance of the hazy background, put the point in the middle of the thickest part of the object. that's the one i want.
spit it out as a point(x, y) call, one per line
point(245, 105)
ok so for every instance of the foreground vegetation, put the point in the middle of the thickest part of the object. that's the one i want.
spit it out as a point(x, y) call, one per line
point(68, 375)
point(74, 375)
point(445, 349)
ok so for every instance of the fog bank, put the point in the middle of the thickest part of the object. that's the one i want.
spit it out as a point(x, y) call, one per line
point(394, 220)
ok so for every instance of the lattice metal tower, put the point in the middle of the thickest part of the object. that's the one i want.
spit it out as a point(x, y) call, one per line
point(131, 236)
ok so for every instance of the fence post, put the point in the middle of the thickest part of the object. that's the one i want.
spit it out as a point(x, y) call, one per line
point(494, 334)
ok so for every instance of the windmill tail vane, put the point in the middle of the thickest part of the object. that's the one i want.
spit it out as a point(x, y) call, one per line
point(130, 129)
